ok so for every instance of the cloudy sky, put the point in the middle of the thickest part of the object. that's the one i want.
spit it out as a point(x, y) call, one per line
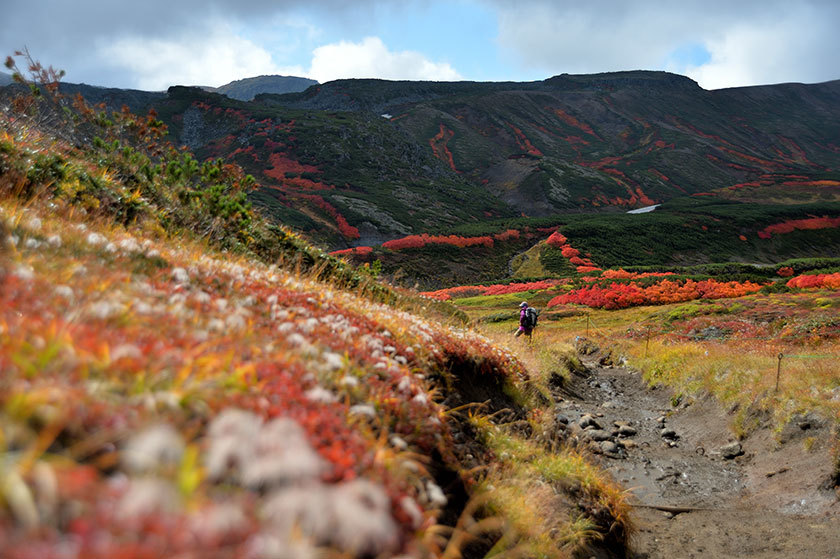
point(152, 44)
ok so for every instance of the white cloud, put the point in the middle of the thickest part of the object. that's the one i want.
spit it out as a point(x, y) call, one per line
point(371, 59)
point(749, 42)
point(221, 56)
point(214, 59)
point(589, 37)
point(749, 55)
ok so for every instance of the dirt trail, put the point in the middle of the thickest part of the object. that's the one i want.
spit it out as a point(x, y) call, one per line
point(764, 503)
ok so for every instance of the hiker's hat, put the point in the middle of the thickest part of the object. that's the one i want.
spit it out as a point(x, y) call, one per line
point(523, 304)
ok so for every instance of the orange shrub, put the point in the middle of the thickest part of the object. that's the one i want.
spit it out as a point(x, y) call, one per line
point(831, 281)
point(623, 295)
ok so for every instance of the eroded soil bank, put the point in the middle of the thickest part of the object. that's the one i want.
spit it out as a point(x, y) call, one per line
point(699, 492)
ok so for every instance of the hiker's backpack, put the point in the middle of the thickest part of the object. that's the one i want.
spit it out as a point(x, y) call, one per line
point(531, 316)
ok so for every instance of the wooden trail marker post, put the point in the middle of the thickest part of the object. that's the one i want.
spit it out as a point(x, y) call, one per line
point(778, 371)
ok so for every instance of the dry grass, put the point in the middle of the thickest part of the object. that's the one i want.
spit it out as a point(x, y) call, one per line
point(738, 368)
point(553, 501)
point(746, 374)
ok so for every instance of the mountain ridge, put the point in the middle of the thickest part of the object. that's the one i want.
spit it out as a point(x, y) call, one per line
point(361, 162)
point(568, 144)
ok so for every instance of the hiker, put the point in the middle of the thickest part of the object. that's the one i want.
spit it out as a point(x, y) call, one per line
point(527, 320)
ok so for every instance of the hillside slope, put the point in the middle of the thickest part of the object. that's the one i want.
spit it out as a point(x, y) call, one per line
point(181, 378)
point(622, 139)
point(394, 158)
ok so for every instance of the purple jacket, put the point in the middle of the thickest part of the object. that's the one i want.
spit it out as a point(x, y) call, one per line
point(523, 320)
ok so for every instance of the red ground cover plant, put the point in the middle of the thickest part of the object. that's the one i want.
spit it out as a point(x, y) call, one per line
point(763, 163)
point(419, 241)
point(807, 224)
point(623, 295)
point(831, 281)
point(439, 146)
point(785, 272)
point(523, 142)
point(569, 252)
point(583, 265)
point(557, 240)
point(586, 269)
point(572, 121)
point(797, 154)
point(824, 182)
point(347, 230)
point(359, 251)
point(510, 234)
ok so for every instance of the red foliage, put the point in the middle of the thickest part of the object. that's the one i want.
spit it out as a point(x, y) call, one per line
point(572, 121)
point(752, 159)
point(623, 295)
point(419, 241)
point(587, 269)
point(831, 281)
point(457, 292)
point(569, 252)
point(347, 230)
point(785, 272)
point(658, 174)
point(440, 148)
point(797, 154)
point(283, 166)
point(750, 184)
point(507, 235)
point(812, 183)
point(523, 142)
point(557, 240)
point(808, 224)
point(359, 251)
point(520, 287)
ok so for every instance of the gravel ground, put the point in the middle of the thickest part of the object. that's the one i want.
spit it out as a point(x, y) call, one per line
point(699, 492)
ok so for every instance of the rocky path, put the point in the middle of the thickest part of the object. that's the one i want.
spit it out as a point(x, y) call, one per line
point(699, 492)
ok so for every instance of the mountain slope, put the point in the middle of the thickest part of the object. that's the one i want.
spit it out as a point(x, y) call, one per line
point(248, 88)
point(362, 162)
point(569, 143)
point(341, 177)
